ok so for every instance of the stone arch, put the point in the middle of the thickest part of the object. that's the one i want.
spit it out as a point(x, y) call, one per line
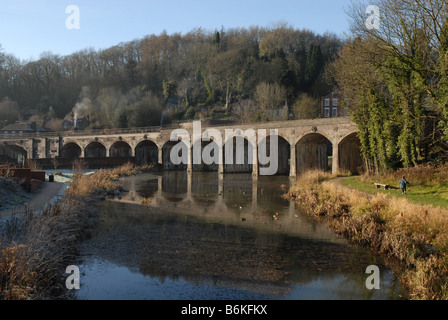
point(350, 154)
point(120, 149)
point(242, 156)
point(11, 153)
point(166, 156)
point(283, 154)
point(95, 149)
point(146, 152)
point(313, 151)
point(71, 150)
point(199, 147)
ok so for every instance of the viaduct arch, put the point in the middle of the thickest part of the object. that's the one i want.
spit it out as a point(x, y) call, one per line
point(327, 144)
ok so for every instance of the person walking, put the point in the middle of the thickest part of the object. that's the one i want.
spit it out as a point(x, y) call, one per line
point(403, 185)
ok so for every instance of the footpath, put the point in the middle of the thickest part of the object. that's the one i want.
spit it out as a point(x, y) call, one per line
point(46, 194)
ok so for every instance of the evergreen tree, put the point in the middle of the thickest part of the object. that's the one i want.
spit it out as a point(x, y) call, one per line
point(314, 64)
point(217, 39)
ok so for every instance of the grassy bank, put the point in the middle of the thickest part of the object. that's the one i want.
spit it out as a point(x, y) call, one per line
point(35, 249)
point(414, 235)
point(429, 185)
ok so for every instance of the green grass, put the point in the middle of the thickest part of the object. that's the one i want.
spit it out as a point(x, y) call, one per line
point(435, 195)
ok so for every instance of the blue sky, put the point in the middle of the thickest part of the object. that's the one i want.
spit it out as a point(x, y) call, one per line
point(30, 27)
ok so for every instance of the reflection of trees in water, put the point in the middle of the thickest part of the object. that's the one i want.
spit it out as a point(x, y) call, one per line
point(164, 245)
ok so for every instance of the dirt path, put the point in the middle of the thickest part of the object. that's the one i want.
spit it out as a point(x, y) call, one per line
point(48, 192)
point(339, 180)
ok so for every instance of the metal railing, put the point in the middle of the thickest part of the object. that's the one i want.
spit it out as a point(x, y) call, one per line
point(99, 132)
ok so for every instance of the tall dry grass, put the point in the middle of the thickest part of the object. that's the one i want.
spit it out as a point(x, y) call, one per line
point(414, 235)
point(36, 248)
point(103, 181)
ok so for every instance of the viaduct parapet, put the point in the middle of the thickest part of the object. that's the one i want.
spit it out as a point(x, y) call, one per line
point(327, 144)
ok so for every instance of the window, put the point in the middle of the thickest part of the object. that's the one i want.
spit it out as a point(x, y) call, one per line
point(327, 102)
point(335, 102)
point(335, 112)
point(327, 112)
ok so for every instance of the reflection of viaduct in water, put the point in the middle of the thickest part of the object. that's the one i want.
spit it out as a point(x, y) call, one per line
point(181, 188)
point(327, 144)
point(233, 198)
point(205, 193)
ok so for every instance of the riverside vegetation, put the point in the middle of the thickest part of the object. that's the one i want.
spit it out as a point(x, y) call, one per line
point(414, 235)
point(36, 248)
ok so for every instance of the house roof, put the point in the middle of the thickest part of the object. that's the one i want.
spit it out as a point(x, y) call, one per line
point(331, 95)
point(71, 118)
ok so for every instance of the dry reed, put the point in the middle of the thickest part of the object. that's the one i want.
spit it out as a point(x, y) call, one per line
point(36, 248)
point(414, 235)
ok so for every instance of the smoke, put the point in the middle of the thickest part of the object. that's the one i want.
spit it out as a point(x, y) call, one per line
point(84, 107)
point(107, 107)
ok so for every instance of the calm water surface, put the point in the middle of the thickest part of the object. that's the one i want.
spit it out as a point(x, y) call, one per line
point(175, 236)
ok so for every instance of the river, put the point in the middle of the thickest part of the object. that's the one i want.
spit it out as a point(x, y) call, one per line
point(175, 236)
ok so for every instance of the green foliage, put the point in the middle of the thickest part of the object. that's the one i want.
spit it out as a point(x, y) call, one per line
point(442, 70)
point(190, 113)
point(217, 40)
point(395, 79)
point(314, 64)
point(169, 89)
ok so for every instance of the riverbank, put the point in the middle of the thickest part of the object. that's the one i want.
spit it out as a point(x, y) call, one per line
point(20, 200)
point(36, 247)
point(416, 236)
point(428, 185)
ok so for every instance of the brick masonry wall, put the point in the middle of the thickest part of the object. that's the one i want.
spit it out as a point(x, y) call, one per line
point(38, 175)
point(31, 180)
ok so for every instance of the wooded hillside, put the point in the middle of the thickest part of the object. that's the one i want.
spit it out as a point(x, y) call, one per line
point(227, 75)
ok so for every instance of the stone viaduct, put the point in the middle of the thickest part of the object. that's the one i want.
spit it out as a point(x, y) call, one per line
point(327, 144)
